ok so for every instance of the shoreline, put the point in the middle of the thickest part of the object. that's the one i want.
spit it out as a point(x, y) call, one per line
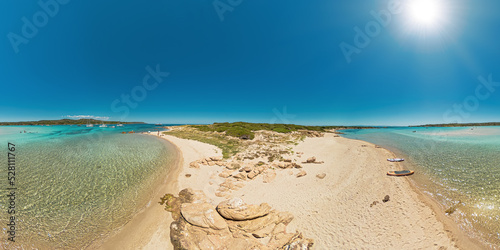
point(149, 228)
point(436, 226)
point(463, 239)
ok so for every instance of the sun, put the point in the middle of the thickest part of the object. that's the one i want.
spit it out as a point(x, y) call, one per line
point(426, 12)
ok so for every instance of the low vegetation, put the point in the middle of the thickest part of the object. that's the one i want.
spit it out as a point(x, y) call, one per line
point(229, 145)
point(246, 130)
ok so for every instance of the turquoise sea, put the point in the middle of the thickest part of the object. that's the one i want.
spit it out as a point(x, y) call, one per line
point(76, 184)
point(458, 167)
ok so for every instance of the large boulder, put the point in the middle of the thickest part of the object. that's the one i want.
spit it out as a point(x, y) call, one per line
point(236, 209)
point(248, 227)
point(202, 215)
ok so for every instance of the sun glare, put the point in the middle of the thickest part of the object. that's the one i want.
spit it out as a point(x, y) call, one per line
point(425, 12)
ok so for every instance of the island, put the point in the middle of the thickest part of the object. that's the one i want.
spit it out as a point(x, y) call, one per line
point(64, 122)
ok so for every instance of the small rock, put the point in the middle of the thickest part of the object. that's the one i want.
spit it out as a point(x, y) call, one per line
point(226, 174)
point(194, 164)
point(247, 169)
point(216, 158)
point(240, 176)
point(301, 173)
point(374, 203)
point(386, 198)
point(233, 166)
point(287, 160)
point(253, 174)
point(188, 175)
point(311, 159)
point(321, 176)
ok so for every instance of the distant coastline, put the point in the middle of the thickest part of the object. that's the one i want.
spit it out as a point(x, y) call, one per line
point(65, 122)
point(482, 124)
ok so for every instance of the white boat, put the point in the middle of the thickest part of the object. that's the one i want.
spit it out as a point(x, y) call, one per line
point(395, 159)
point(103, 125)
point(89, 125)
point(119, 125)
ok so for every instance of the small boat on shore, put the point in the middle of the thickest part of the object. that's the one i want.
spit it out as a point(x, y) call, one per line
point(401, 173)
point(395, 159)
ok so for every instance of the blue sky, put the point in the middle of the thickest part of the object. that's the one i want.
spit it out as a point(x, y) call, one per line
point(266, 61)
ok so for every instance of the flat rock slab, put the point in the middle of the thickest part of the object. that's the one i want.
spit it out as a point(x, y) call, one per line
point(202, 215)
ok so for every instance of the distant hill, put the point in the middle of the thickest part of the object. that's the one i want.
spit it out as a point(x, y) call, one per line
point(461, 124)
point(64, 122)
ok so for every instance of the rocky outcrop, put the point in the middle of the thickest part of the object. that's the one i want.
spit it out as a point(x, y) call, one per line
point(210, 161)
point(236, 209)
point(232, 225)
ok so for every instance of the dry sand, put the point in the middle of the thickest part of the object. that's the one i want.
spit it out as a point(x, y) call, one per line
point(334, 211)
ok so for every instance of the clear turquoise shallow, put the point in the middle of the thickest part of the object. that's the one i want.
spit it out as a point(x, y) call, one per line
point(77, 184)
point(453, 165)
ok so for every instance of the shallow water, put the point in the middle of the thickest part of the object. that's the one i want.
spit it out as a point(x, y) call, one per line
point(76, 184)
point(457, 166)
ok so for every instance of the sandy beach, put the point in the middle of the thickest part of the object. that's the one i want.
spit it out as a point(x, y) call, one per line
point(344, 210)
